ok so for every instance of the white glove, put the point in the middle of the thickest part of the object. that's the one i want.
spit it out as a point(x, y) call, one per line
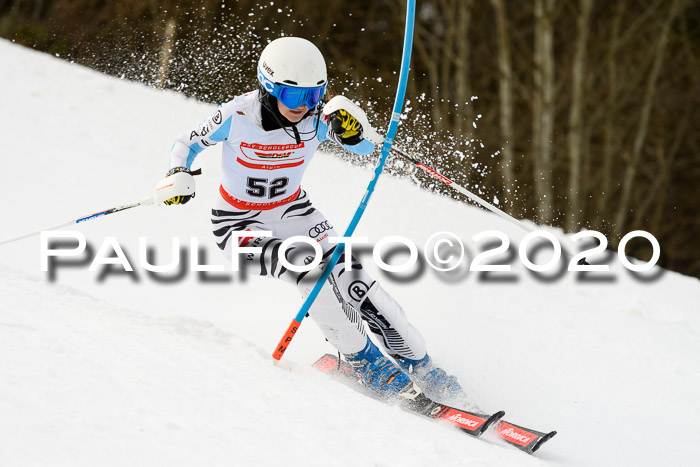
point(343, 103)
point(176, 188)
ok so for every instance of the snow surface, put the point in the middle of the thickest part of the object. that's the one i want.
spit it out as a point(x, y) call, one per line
point(128, 369)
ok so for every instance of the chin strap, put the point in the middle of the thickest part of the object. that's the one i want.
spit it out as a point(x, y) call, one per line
point(296, 134)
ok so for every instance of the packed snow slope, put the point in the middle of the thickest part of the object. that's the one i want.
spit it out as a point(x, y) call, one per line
point(115, 368)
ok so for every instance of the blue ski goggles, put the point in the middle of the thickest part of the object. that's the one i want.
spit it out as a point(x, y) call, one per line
point(293, 97)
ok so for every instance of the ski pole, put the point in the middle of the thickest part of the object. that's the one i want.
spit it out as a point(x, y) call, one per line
point(435, 174)
point(142, 202)
point(388, 140)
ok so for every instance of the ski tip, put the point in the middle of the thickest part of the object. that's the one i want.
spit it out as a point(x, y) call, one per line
point(525, 439)
point(543, 440)
point(491, 420)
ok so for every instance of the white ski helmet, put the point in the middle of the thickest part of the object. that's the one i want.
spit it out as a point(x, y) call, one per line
point(291, 61)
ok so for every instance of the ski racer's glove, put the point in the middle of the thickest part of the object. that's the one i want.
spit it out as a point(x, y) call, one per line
point(176, 188)
point(346, 120)
point(348, 129)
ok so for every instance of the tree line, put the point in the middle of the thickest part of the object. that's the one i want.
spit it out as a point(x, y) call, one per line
point(576, 113)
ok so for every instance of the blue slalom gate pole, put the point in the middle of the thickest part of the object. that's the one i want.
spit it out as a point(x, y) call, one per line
point(386, 148)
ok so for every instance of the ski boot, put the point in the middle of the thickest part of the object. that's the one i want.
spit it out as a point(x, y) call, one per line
point(433, 381)
point(379, 373)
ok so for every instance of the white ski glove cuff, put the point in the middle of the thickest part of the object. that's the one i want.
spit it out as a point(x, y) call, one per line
point(343, 103)
point(177, 187)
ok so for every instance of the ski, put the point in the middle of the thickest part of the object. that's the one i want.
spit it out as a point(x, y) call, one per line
point(474, 424)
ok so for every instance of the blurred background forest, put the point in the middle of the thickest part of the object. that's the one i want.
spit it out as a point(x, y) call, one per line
point(574, 113)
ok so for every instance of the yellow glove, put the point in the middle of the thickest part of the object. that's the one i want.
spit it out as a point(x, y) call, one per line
point(348, 129)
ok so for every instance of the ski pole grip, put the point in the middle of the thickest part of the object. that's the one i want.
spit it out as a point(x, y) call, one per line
point(286, 339)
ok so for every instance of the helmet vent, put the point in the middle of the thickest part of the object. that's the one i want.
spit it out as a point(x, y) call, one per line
point(289, 81)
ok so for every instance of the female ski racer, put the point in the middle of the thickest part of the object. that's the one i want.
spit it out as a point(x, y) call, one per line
point(269, 137)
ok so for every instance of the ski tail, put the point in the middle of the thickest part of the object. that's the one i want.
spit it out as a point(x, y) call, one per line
point(332, 365)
